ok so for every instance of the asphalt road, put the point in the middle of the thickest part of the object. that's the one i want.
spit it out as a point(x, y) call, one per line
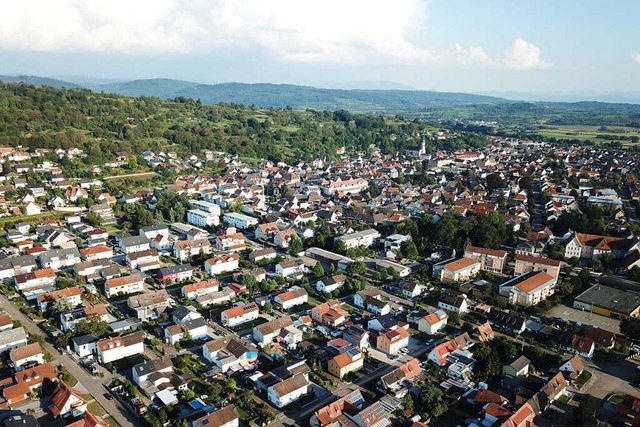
point(93, 385)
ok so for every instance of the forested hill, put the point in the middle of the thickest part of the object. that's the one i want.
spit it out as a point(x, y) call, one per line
point(280, 96)
point(102, 124)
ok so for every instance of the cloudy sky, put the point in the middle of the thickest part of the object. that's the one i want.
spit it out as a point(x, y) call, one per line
point(448, 45)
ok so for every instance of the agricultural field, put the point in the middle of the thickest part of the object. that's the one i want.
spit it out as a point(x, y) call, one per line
point(594, 133)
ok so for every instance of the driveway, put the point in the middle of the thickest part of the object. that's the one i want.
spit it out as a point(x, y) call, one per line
point(93, 385)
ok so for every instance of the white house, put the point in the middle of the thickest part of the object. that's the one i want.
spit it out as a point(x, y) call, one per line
point(291, 298)
point(456, 303)
point(26, 356)
point(265, 333)
point(111, 349)
point(197, 329)
point(433, 322)
point(331, 283)
point(130, 244)
point(124, 285)
point(73, 296)
point(288, 390)
point(194, 290)
point(183, 249)
point(222, 264)
point(240, 314)
point(229, 353)
point(12, 338)
point(67, 402)
point(290, 268)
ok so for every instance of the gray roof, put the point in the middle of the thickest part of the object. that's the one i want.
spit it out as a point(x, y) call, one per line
point(134, 241)
point(619, 300)
point(85, 339)
point(19, 261)
point(12, 335)
point(49, 255)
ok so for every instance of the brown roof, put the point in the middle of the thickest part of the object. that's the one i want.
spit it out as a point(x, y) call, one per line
point(534, 282)
point(124, 280)
point(221, 417)
point(460, 264)
point(523, 417)
point(5, 320)
point(241, 309)
point(25, 351)
point(486, 251)
point(31, 377)
point(60, 397)
point(58, 293)
point(537, 260)
point(290, 385)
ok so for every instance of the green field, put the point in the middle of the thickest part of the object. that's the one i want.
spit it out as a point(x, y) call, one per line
point(593, 133)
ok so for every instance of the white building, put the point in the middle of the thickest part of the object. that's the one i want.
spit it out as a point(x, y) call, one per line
point(201, 218)
point(238, 315)
point(239, 220)
point(433, 322)
point(288, 391)
point(358, 239)
point(124, 285)
point(12, 338)
point(111, 349)
point(222, 264)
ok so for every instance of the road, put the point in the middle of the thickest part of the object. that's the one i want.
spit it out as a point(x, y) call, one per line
point(92, 384)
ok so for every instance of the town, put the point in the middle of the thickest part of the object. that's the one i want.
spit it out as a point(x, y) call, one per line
point(487, 286)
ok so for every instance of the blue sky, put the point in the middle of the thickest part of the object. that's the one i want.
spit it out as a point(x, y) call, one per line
point(452, 45)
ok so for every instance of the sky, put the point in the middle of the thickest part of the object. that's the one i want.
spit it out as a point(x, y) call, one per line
point(445, 45)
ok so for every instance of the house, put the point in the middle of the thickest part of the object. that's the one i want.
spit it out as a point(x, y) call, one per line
point(6, 322)
point(266, 232)
point(215, 298)
point(529, 289)
point(97, 252)
point(528, 263)
point(20, 420)
point(185, 249)
point(26, 356)
point(111, 349)
point(433, 322)
point(144, 374)
point(356, 336)
point(230, 353)
point(460, 270)
point(347, 186)
point(73, 297)
point(385, 322)
point(282, 238)
point(391, 342)
point(358, 239)
point(329, 313)
point(175, 273)
point(412, 289)
point(290, 268)
point(67, 402)
point(331, 283)
point(239, 220)
point(265, 333)
point(130, 244)
point(144, 260)
point(230, 241)
point(335, 414)
point(85, 346)
point(523, 417)
point(227, 416)
point(461, 343)
point(288, 390)
point(350, 360)
point(507, 321)
point(601, 337)
point(11, 267)
point(26, 381)
point(491, 260)
point(124, 285)
point(59, 258)
point(38, 279)
point(401, 378)
point(222, 264)
point(183, 314)
point(519, 367)
point(291, 298)
point(258, 255)
point(484, 332)
point(194, 290)
point(394, 242)
point(240, 314)
point(150, 305)
point(553, 390)
point(572, 368)
point(575, 344)
point(454, 303)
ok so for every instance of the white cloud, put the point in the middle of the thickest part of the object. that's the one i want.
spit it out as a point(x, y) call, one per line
point(328, 30)
point(636, 58)
point(522, 55)
point(525, 55)
point(473, 54)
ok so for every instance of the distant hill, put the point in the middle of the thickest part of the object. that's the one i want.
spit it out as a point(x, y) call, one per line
point(298, 97)
point(38, 81)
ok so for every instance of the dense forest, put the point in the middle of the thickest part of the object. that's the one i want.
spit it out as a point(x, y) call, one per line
point(103, 124)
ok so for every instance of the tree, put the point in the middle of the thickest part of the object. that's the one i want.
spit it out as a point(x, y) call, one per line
point(318, 270)
point(187, 394)
point(454, 318)
point(631, 328)
point(488, 363)
point(586, 413)
point(60, 305)
point(432, 401)
point(357, 267)
point(295, 246)
point(409, 250)
point(494, 181)
point(634, 274)
point(92, 325)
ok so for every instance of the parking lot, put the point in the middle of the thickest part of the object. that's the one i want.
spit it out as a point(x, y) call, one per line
point(585, 317)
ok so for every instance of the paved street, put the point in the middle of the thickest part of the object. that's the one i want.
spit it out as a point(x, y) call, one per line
point(585, 317)
point(93, 385)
